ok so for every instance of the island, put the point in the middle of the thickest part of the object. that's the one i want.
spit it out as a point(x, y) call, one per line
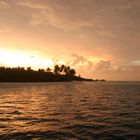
point(60, 73)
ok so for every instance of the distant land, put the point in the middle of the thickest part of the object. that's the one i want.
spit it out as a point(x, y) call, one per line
point(60, 73)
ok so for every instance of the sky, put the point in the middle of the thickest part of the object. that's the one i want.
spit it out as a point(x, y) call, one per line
point(99, 38)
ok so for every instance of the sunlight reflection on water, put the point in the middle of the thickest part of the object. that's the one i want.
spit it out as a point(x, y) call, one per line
point(85, 110)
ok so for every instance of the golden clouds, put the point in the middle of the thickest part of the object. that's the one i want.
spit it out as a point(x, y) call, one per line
point(99, 35)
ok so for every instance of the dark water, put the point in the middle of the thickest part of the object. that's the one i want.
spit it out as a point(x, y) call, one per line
point(70, 111)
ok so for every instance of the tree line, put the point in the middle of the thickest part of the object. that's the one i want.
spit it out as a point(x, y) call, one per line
point(21, 74)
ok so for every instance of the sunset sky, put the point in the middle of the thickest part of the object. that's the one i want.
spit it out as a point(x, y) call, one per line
point(99, 38)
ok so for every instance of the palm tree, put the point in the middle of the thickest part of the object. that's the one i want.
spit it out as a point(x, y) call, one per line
point(48, 70)
point(66, 70)
point(29, 69)
point(72, 72)
point(41, 70)
point(62, 67)
point(56, 69)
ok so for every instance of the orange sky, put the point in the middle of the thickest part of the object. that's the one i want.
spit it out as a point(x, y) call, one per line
point(100, 39)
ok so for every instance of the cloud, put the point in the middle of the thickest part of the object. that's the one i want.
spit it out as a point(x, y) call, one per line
point(116, 72)
point(39, 18)
point(103, 66)
point(47, 17)
point(81, 61)
point(137, 62)
point(107, 29)
point(106, 33)
point(66, 15)
point(126, 72)
point(31, 4)
point(4, 4)
point(105, 69)
point(124, 7)
point(104, 17)
point(129, 68)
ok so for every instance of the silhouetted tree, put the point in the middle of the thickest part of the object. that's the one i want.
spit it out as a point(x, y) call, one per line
point(56, 69)
point(66, 70)
point(29, 69)
point(72, 72)
point(20, 74)
point(62, 67)
point(48, 70)
point(41, 70)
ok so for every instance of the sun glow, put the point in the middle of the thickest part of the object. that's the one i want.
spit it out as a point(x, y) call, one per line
point(22, 59)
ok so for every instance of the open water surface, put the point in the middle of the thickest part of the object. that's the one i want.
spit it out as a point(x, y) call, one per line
point(70, 111)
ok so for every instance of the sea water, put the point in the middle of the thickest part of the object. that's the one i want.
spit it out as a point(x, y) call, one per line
point(70, 111)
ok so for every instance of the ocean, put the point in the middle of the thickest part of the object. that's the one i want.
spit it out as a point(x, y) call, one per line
point(70, 111)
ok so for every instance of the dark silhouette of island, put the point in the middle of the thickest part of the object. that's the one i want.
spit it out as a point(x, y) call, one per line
point(60, 73)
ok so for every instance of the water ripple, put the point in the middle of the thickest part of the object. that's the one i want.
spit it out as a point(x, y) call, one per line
point(70, 111)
